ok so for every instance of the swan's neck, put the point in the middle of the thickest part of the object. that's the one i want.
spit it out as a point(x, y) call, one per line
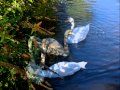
point(66, 49)
point(72, 25)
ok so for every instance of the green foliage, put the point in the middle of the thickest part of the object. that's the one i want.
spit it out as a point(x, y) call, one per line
point(12, 81)
point(13, 36)
point(12, 12)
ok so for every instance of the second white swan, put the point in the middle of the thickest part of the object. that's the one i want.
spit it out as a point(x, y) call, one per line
point(79, 33)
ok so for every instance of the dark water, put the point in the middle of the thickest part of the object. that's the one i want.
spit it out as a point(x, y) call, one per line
point(100, 49)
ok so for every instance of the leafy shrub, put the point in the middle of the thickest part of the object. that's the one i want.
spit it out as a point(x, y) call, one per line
point(18, 19)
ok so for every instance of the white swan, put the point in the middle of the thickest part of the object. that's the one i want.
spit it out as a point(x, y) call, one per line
point(62, 69)
point(79, 33)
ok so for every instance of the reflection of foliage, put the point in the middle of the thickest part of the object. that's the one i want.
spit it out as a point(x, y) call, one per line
point(79, 9)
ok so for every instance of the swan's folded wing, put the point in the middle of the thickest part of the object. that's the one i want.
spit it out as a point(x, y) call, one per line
point(79, 34)
point(65, 68)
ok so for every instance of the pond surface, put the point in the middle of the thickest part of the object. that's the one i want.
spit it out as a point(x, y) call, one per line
point(100, 49)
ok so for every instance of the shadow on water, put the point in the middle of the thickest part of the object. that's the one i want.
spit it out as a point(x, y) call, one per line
point(100, 49)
